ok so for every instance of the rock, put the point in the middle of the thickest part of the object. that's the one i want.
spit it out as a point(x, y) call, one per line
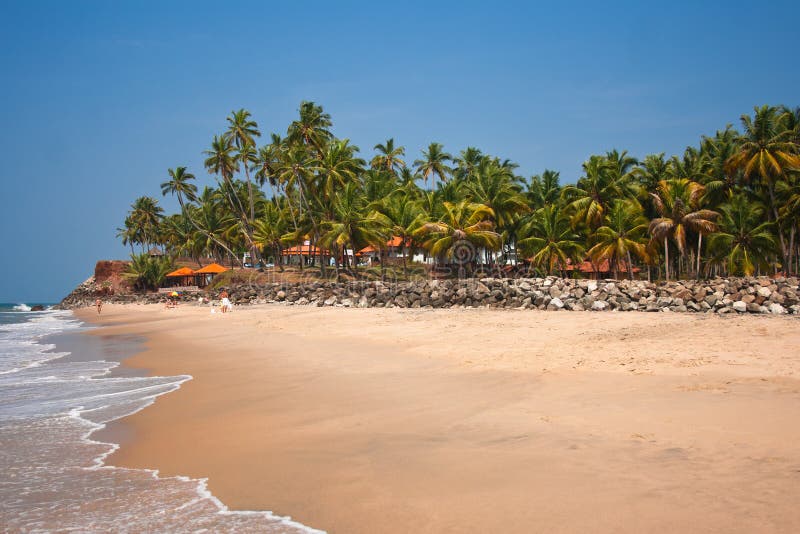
point(739, 306)
point(37, 307)
point(555, 304)
point(776, 309)
point(599, 305)
point(753, 308)
point(763, 291)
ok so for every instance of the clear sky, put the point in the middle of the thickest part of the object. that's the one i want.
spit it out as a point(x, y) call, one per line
point(98, 99)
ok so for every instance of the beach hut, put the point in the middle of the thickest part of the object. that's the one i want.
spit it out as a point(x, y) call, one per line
point(181, 277)
point(207, 273)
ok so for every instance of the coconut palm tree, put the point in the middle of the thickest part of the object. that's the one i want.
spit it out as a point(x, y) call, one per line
point(268, 161)
point(242, 130)
point(767, 151)
point(389, 157)
point(493, 186)
point(548, 239)
point(269, 230)
point(180, 185)
point(601, 183)
point(622, 236)
point(434, 163)
point(745, 240)
point(466, 163)
point(718, 178)
point(312, 127)
point(543, 189)
point(338, 166)
point(352, 226)
point(402, 215)
point(145, 218)
point(678, 204)
point(463, 229)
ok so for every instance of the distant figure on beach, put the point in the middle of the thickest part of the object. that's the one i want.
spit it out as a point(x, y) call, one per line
point(99, 304)
point(226, 305)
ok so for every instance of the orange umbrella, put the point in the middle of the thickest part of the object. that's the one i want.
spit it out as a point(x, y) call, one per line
point(213, 268)
point(183, 271)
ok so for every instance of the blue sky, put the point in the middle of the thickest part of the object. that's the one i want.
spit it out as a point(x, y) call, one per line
point(98, 99)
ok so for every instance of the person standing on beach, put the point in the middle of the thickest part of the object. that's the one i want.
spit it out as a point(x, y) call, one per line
point(226, 303)
point(99, 304)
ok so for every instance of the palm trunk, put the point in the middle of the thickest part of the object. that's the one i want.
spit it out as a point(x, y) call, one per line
point(699, 250)
point(630, 264)
point(666, 258)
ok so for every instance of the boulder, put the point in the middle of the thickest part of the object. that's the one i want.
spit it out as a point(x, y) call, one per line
point(776, 309)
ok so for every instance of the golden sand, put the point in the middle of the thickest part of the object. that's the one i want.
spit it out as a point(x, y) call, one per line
point(389, 420)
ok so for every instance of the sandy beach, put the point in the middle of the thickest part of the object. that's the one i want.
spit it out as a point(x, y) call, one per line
point(391, 420)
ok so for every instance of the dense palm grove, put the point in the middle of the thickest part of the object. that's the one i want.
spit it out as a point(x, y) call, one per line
point(730, 206)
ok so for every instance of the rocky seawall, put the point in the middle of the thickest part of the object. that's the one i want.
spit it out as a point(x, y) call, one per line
point(721, 295)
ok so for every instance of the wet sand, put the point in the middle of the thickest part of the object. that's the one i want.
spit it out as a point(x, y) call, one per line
point(389, 420)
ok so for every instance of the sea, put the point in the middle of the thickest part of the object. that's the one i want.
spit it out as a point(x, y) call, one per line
point(57, 389)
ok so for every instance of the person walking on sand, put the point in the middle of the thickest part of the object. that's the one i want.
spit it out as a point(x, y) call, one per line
point(99, 304)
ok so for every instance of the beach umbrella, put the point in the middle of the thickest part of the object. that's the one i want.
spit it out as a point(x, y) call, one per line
point(174, 294)
point(183, 271)
point(213, 268)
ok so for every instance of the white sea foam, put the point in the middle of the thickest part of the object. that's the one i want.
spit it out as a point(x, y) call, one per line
point(22, 307)
point(56, 476)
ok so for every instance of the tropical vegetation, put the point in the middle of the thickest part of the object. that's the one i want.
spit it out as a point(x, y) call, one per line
point(728, 206)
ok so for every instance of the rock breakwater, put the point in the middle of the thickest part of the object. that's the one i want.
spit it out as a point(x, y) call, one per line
point(721, 295)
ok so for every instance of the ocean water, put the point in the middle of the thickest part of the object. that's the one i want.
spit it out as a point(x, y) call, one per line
point(52, 473)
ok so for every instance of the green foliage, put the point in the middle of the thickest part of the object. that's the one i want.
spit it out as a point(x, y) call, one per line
point(653, 212)
point(147, 273)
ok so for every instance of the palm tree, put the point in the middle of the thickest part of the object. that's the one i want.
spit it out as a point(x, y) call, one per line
point(434, 163)
point(222, 161)
point(213, 222)
point(351, 225)
point(745, 240)
point(243, 131)
point(389, 157)
point(467, 162)
point(718, 178)
point(145, 217)
point(601, 183)
point(402, 215)
point(269, 230)
point(338, 166)
point(621, 236)
point(311, 129)
point(548, 238)
point(651, 170)
point(678, 205)
point(766, 152)
point(180, 185)
point(268, 161)
point(495, 186)
point(543, 189)
point(463, 229)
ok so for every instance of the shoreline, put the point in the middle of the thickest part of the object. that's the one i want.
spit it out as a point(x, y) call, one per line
point(370, 420)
